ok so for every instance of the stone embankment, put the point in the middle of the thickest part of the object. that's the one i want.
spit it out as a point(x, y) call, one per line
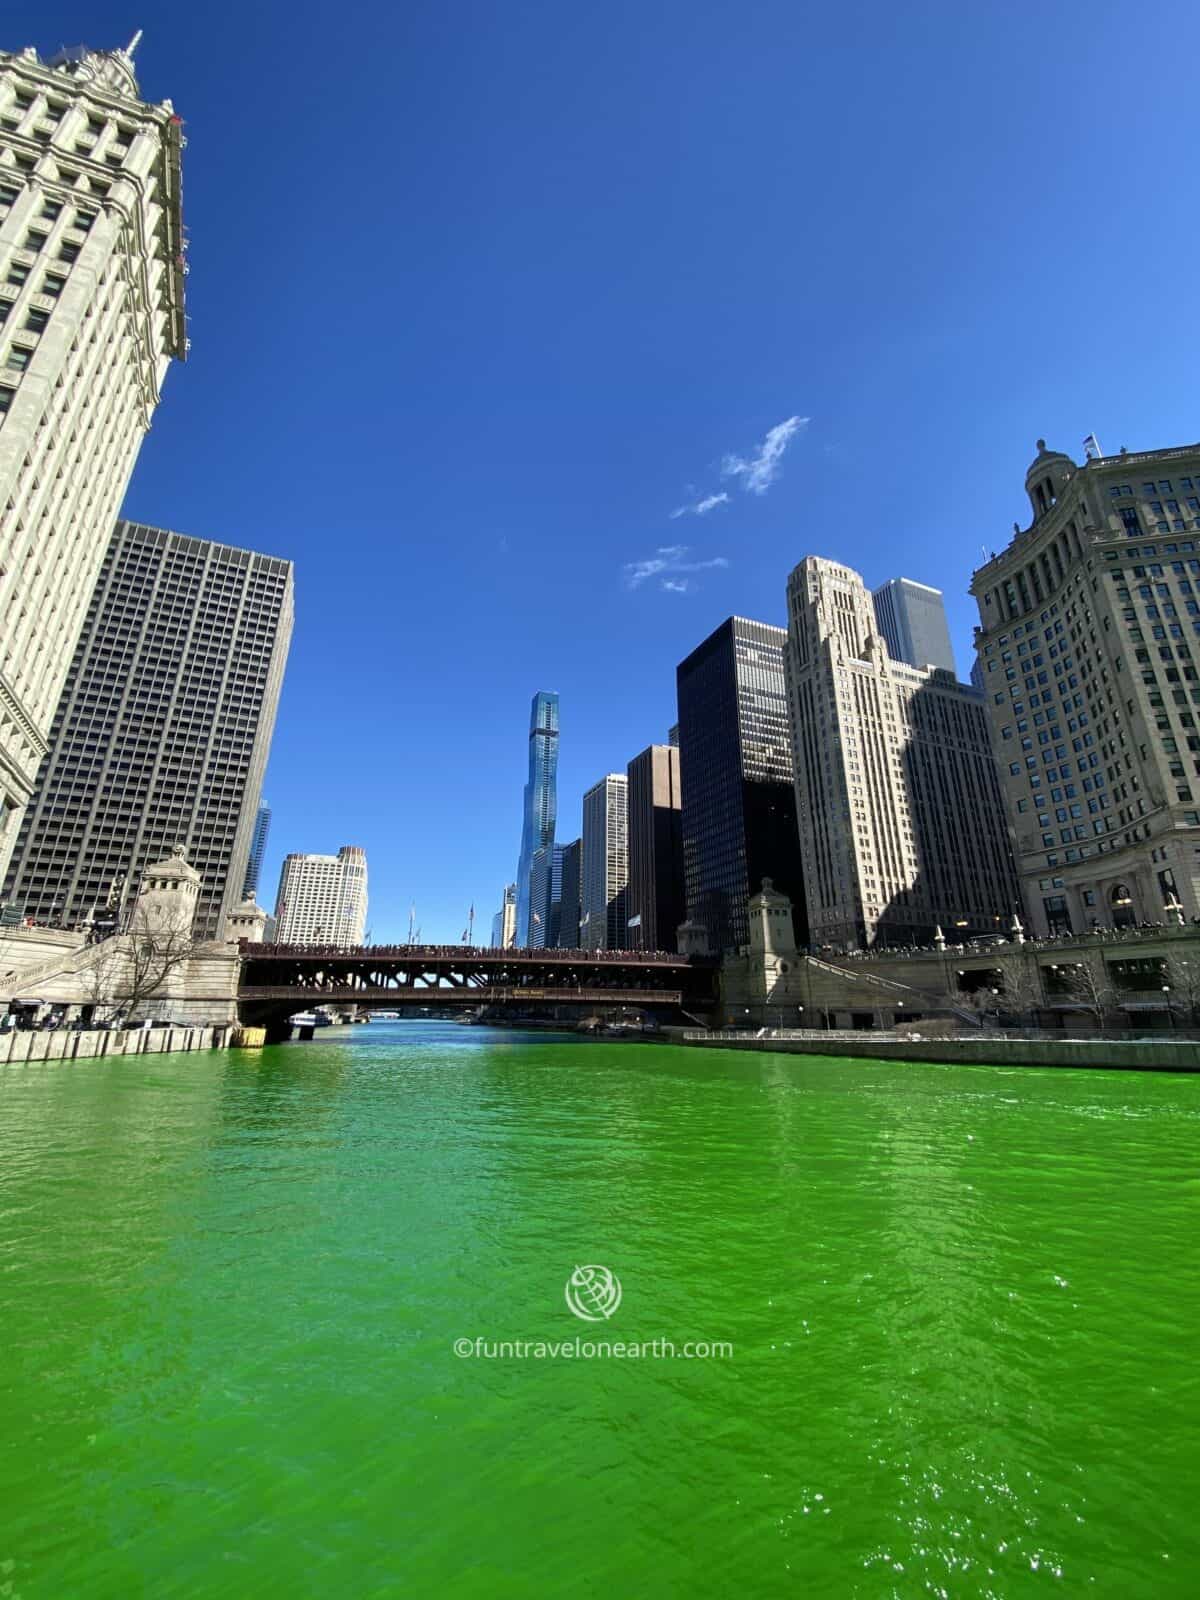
point(993, 1050)
point(70, 1044)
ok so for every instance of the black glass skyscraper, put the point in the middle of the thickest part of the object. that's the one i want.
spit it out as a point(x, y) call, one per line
point(738, 813)
point(570, 886)
point(541, 800)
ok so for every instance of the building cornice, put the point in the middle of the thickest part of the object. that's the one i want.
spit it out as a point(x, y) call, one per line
point(12, 708)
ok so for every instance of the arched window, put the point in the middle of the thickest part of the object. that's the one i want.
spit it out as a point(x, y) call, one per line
point(1121, 902)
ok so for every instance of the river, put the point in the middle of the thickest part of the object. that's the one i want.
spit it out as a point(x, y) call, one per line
point(962, 1303)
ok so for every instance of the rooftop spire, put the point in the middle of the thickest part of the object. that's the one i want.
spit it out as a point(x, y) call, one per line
point(133, 44)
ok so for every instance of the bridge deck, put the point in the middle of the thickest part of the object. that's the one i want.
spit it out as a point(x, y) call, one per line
point(457, 996)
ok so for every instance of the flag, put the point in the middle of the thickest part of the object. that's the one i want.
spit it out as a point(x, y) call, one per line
point(1091, 447)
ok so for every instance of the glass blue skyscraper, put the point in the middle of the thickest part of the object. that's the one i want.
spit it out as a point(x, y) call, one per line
point(258, 849)
point(541, 800)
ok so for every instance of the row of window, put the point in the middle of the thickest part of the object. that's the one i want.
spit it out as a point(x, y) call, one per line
point(1118, 491)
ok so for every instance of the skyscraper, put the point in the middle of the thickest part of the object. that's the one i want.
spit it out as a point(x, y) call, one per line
point(541, 799)
point(898, 802)
point(1089, 647)
point(545, 897)
point(91, 315)
point(163, 727)
point(738, 812)
point(568, 914)
point(605, 865)
point(323, 899)
point(912, 619)
point(504, 923)
point(655, 906)
point(258, 848)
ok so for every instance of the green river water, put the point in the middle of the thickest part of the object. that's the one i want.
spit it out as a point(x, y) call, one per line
point(963, 1304)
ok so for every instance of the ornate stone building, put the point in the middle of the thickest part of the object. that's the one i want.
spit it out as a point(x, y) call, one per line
point(91, 315)
point(1087, 647)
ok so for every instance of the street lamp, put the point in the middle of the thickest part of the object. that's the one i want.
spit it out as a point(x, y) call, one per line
point(1166, 989)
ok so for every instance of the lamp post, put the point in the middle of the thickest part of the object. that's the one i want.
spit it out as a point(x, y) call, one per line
point(1166, 989)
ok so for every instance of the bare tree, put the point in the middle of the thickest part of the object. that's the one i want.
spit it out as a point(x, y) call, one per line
point(130, 969)
point(1181, 979)
point(98, 978)
point(1020, 984)
point(1089, 988)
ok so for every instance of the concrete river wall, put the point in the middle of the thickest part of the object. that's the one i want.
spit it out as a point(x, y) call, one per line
point(993, 1050)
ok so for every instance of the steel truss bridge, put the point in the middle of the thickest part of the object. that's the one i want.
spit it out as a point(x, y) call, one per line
point(278, 980)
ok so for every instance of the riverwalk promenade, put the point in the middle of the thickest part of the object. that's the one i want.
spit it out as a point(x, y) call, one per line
point(1160, 1054)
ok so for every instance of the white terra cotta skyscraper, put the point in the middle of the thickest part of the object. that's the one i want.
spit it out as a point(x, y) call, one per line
point(91, 314)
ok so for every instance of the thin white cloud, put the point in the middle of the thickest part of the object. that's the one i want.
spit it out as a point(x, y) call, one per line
point(671, 559)
point(701, 508)
point(758, 472)
point(676, 585)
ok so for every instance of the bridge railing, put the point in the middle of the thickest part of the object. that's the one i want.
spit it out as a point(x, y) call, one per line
point(463, 952)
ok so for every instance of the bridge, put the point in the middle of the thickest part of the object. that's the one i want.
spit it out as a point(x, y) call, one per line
point(277, 980)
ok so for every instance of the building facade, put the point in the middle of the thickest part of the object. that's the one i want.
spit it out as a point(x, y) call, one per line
point(572, 885)
point(898, 801)
point(323, 899)
point(540, 801)
point(545, 897)
point(605, 859)
point(1088, 646)
point(738, 807)
point(912, 619)
point(258, 849)
point(91, 316)
point(504, 923)
point(163, 728)
point(655, 905)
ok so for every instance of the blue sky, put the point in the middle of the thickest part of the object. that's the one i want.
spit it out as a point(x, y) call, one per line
point(480, 294)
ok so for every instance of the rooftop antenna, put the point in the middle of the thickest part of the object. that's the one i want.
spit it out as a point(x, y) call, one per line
point(133, 44)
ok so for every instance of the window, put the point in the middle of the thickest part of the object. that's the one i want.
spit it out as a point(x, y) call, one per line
point(84, 220)
point(52, 285)
point(17, 274)
point(33, 241)
point(6, 396)
point(36, 321)
point(17, 360)
point(69, 253)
